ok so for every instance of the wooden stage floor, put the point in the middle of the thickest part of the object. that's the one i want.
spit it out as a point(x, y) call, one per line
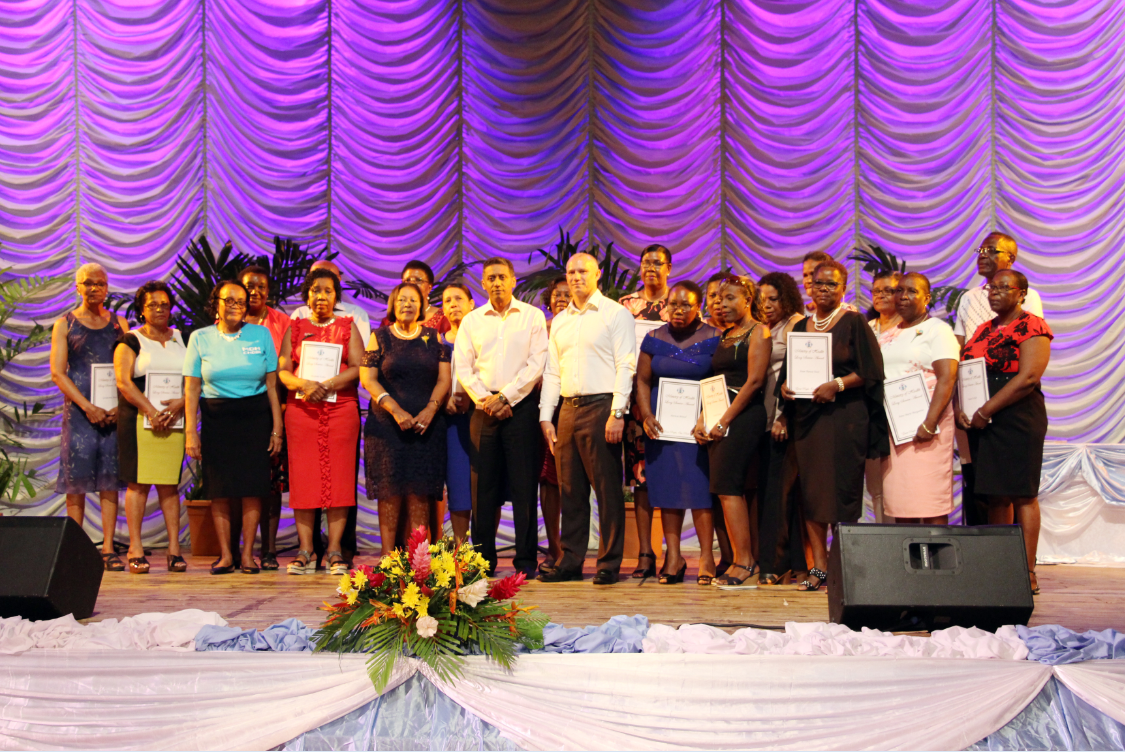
point(1080, 598)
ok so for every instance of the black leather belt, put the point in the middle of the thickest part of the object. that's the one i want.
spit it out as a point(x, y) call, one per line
point(585, 399)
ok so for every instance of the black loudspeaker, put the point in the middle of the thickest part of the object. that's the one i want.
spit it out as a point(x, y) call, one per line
point(927, 577)
point(50, 566)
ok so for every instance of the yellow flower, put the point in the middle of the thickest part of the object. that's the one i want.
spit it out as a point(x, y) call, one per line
point(411, 596)
point(386, 562)
point(423, 607)
point(352, 596)
point(360, 579)
point(442, 566)
point(345, 584)
point(400, 610)
point(396, 570)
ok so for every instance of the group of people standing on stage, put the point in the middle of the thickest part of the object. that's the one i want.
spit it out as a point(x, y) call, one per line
point(495, 403)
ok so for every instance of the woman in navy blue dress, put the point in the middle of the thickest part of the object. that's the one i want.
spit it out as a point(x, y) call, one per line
point(456, 301)
point(677, 473)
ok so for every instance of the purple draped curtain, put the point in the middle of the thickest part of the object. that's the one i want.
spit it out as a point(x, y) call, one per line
point(739, 131)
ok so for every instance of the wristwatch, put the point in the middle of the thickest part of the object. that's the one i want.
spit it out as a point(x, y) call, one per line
point(618, 414)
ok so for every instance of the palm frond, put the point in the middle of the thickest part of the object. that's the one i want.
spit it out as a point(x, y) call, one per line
point(362, 289)
point(875, 259)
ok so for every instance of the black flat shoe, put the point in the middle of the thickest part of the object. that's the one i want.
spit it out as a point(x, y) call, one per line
point(640, 572)
point(605, 577)
point(216, 569)
point(673, 579)
point(252, 569)
point(561, 575)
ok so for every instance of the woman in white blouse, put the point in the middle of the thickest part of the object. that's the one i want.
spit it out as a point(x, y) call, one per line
point(151, 456)
point(918, 476)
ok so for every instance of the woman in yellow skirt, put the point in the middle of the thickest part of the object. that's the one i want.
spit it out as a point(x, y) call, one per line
point(152, 456)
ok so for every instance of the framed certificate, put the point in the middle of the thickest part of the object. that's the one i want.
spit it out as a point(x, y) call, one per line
point(677, 409)
point(164, 385)
point(643, 328)
point(907, 401)
point(972, 385)
point(320, 361)
point(715, 399)
point(808, 361)
point(103, 386)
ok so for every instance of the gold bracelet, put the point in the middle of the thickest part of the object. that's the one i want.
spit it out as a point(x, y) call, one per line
point(839, 384)
point(931, 433)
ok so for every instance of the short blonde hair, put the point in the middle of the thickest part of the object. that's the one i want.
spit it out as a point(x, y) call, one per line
point(90, 268)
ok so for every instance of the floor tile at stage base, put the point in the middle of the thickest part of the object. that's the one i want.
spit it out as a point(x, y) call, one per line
point(1077, 597)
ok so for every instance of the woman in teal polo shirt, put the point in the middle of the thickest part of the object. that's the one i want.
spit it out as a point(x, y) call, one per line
point(233, 366)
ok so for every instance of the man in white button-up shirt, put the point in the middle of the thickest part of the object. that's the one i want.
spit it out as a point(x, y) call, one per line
point(499, 353)
point(591, 359)
point(996, 253)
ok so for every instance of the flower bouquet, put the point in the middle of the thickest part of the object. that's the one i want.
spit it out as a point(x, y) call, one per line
point(434, 602)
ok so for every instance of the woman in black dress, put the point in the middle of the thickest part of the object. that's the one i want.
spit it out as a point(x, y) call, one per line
point(1006, 434)
point(406, 371)
point(743, 356)
point(843, 424)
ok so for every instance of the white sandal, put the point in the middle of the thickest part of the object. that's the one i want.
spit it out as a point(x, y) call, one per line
point(309, 567)
point(340, 567)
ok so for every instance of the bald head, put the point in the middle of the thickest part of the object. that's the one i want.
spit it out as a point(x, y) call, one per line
point(1003, 242)
point(582, 275)
point(326, 264)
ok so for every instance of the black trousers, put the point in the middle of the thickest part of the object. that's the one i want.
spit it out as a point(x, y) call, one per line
point(973, 510)
point(505, 455)
point(780, 537)
point(584, 458)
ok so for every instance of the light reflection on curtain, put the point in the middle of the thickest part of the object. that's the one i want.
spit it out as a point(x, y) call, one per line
point(450, 129)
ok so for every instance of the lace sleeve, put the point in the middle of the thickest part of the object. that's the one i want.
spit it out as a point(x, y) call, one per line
point(371, 358)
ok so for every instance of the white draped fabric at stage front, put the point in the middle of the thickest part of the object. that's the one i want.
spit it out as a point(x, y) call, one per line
point(115, 699)
point(1082, 503)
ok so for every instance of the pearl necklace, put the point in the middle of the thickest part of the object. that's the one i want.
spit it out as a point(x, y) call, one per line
point(228, 337)
point(822, 326)
point(329, 322)
point(403, 335)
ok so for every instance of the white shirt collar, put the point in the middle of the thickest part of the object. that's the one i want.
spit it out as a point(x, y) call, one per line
point(516, 305)
point(594, 302)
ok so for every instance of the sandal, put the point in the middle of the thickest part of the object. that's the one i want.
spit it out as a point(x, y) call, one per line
point(1034, 583)
point(269, 562)
point(336, 563)
point(113, 563)
point(673, 579)
point(176, 563)
point(705, 579)
point(722, 567)
point(728, 580)
point(138, 565)
point(304, 563)
point(216, 569)
point(769, 580)
point(640, 572)
point(251, 568)
point(821, 577)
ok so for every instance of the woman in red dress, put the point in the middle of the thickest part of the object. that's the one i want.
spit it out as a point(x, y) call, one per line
point(322, 433)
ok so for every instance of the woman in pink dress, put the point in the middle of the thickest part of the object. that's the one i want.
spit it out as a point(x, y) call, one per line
point(321, 433)
point(918, 476)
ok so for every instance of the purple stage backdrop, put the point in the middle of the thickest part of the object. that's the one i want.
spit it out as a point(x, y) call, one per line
point(746, 130)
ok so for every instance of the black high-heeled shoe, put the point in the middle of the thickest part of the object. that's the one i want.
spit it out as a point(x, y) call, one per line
point(673, 579)
point(640, 572)
point(216, 569)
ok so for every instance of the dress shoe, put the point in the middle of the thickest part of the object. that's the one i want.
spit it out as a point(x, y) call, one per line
point(605, 577)
point(216, 569)
point(561, 575)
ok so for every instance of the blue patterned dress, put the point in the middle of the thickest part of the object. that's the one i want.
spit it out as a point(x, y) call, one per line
point(677, 473)
point(88, 453)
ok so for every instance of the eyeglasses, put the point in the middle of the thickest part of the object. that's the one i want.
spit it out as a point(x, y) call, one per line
point(416, 281)
point(885, 293)
point(1000, 288)
point(826, 285)
point(652, 264)
point(908, 292)
point(233, 302)
point(157, 306)
point(987, 251)
point(93, 285)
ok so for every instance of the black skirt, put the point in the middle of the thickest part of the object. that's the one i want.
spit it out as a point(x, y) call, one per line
point(1008, 452)
point(732, 457)
point(236, 441)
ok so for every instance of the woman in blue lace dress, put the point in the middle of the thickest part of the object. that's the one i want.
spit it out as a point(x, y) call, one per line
point(84, 337)
point(677, 472)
